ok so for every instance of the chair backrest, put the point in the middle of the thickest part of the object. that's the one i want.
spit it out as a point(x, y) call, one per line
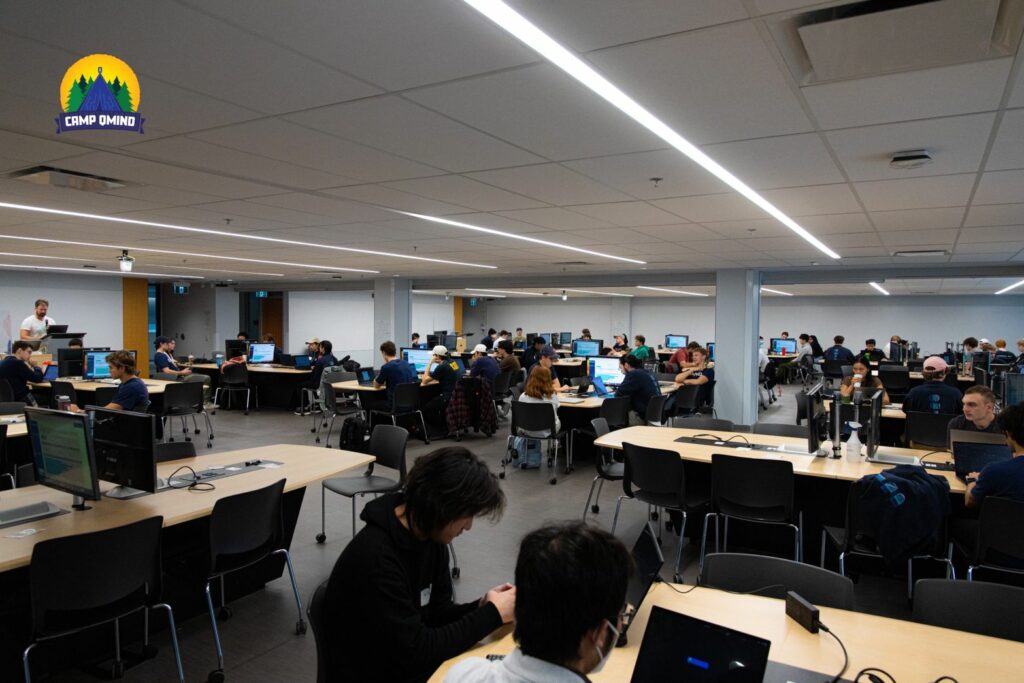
point(317, 619)
point(334, 373)
point(801, 406)
point(532, 417)
point(654, 470)
point(753, 483)
point(774, 577)
point(25, 475)
point(894, 377)
point(387, 445)
point(72, 578)
point(928, 429)
point(773, 429)
point(58, 388)
point(174, 450)
point(179, 396)
point(655, 413)
point(600, 427)
point(832, 368)
point(407, 396)
point(714, 423)
point(990, 609)
point(245, 527)
point(999, 530)
point(6, 393)
point(686, 398)
point(234, 374)
point(706, 394)
point(502, 383)
point(615, 410)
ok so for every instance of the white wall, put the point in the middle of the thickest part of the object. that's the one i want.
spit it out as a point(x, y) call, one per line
point(692, 316)
point(226, 312)
point(430, 313)
point(87, 303)
point(344, 318)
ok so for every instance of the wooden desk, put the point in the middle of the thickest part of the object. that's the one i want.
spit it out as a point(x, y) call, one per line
point(888, 412)
point(907, 650)
point(302, 465)
point(17, 429)
point(568, 362)
point(594, 402)
point(273, 369)
point(354, 385)
point(803, 465)
point(155, 386)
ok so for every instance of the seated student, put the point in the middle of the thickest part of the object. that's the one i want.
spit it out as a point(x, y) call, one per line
point(507, 361)
point(548, 356)
point(502, 336)
point(979, 413)
point(488, 340)
point(1002, 479)
point(393, 372)
point(446, 373)
point(862, 380)
point(638, 384)
point(641, 350)
point(325, 359)
point(1018, 365)
point(680, 358)
point(163, 359)
point(784, 335)
point(700, 374)
point(541, 389)
point(934, 396)
point(971, 347)
point(519, 337)
point(75, 343)
point(389, 610)
point(132, 393)
point(482, 364)
point(838, 352)
point(816, 349)
point(269, 339)
point(415, 341)
point(870, 352)
point(1002, 356)
point(242, 336)
point(532, 353)
point(571, 584)
point(620, 347)
point(894, 347)
point(585, 334)
point(17, 369)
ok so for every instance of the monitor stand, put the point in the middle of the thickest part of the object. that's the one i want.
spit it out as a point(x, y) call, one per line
point(29, 513)
point(78, 503)
point(124, 493)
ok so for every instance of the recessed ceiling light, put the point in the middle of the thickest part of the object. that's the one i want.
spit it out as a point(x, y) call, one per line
point(915, 253)
point(237, 235)
point(520, 27)
point(524, 238)
point(879, 288)
point(590, 291)
point(96, 270)
point(1015, 285)
point(670, 291)
point(503, 291)
point(775, 291)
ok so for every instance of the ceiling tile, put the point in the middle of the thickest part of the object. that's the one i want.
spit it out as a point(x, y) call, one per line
point(1003, 233)
point(463, 191)
point(916, 193)
point(551, 183)
point(920, 239)
point(1008, 148)
point(1000, 187)
point(628, 213)
point(394, 199)
point(818, 199)
point(634, 173)
point(715, 207)
point(836, 223)
point(556, 219)
point(918, 219)
point(996, 214)
point(784, 161)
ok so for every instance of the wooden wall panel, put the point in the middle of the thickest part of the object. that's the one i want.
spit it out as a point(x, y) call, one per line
point(135, 320)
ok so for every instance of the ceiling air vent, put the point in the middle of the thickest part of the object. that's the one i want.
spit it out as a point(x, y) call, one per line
point(55, 177)
point(572, 263)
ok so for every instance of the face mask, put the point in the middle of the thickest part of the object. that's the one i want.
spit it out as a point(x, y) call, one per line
point(604, 656)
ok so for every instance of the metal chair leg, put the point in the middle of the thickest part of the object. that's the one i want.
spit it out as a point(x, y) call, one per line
point(678, 576)
point(216, 631)
point(615, 519)
point(172, 627)
point(25, 663)
point(300, 625)
point(586, 506)
point(353, 516)
point(704, 539)
point(821, 563)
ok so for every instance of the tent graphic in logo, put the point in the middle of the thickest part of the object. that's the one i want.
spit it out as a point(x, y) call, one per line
point(99, 92)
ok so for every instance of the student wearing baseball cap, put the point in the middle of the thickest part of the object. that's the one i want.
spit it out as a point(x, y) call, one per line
point(548, 356)
point(934, 396)
point(482, 364)
point(445, 373)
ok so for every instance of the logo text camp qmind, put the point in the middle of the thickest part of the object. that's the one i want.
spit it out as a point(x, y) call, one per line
point(99, 92)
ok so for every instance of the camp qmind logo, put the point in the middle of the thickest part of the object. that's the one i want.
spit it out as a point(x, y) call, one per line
point(99, 92)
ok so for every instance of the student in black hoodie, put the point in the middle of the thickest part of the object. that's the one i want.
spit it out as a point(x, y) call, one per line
point(389, 607)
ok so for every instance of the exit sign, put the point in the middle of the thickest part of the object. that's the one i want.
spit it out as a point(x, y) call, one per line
point(261, 294)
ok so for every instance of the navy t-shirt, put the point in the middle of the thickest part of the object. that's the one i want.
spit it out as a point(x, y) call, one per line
point(934, 397)
point(447, 375)
point(640, 386)
point(705, 389)
point(839, 353)
point(1004, 479)
point(484, 366)
point(132, 395)
point(395, 372)
point(163, 361)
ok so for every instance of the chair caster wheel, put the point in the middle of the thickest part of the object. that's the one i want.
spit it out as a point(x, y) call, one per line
point(170, 438)
point(246, 412)
point(318, 439)
point(215, 677)
point(456, 572)
point(312, 431)
point(196, 431)
point(595, 508)
point(117, 670)
point(188, 439)
point(553, 481)
point(209, 445)
point(224, 613)
point(300, 628)
point(501, 475)
point(320, 538)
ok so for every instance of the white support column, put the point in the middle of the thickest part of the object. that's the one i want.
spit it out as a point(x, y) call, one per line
point(392, 311)
point(737, 313)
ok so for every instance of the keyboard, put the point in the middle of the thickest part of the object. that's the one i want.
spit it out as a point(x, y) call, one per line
point(109, 380)
point(29, 513)
point(570, 399)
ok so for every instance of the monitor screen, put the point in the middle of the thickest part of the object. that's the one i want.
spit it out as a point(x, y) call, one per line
point(462, 366)
point(676, 341)
point(420, 358)
point(123, 442)
point(449, 341)
point(711, 351)
point(261, 353)
point(565, 338)
point(605, 367)
point(783, 345)
point(584, 347)
point(530, 336)
point(235, 347)
point(96, 366)
point(1014, 389)
point(62, 451)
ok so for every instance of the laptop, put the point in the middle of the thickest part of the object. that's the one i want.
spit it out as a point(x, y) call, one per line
point(972, 451)
point(600, 390)
point(302, 362)
point(56, 329)
point(287, 360)
point(648, 561)
point(365, 376)
point(681, 648)
point(52, 373)
point(462, 366)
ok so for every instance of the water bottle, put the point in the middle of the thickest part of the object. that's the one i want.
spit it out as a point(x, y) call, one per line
point(853, 445)
point(63, 403)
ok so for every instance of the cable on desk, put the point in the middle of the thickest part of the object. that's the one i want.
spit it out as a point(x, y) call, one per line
point(194, 485)
point(737, 436)
point(870, 671)
point(940, 679)
point(716, 437)
point(922, 458)
point(846, 657)
point(658, 579)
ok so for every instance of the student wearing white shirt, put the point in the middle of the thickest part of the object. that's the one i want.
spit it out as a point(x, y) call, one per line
point(34, 326)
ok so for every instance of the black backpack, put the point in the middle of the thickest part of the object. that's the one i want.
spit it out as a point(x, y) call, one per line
point(353, 434)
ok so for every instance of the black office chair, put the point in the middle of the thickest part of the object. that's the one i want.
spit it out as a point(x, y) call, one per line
point(501, 389)
point(615, 412)
point(774, 577)
point(834, 369)
point(655, 414)
point(706, 398)
point(772, 429)
point(12, 407)
point(104, 395)
point(234, 378)
point(244, 529)
point(683, 402)
point(59, 388)
point(537, 418)
point(7, 480)
point(656, 476)
point(713, 423)
point(752, 490)
point(981, 377)
point(853, 539)
point(926, 430)
point(406, 402)
point(6, 393)
point(317, 619)
point(174, 450)
point(183, 400)
point(989, 609)
point(801, 406)
point(332, 405)
point(608, 469)
point(1000, 544)
point(387, 445)
point(84, 580)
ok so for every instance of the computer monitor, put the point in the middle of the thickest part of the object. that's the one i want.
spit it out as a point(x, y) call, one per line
point(586, 347)
point(95, 366)
point(433, 340)
point(462, 365)
point(565, 338)
point(605, 367)
point(779, 346)
point(235, 347)
point(123, 444)
point(69, 362)
point(441, 333)
point(711, 351)
point(530, 336)
point(1013, 392)
point(449, 341)
point(56, 329)
point(676, 341)
point(261, 353)
point(420, 358)
point(62, 453)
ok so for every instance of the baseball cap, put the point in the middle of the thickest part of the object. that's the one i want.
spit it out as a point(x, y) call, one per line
point(549, 352)
point(479, 348)
point(161, 340)
point(440, 350)
point(983, 341)
point(935, 364)
point(313, 340)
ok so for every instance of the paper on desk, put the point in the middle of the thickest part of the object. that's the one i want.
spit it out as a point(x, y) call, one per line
point(270, 465)
point(25, 533)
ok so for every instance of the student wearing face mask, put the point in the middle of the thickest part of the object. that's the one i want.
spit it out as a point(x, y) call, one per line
point(571, 595)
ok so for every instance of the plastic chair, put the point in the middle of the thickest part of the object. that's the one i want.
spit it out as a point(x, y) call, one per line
point(752, 490)
point(990, 609)
point(774, 577)
point(501, 389)
point(655, 413)
point(684, 401)
point(104, 395)
point(12, 407)
point(316, 615)
point(245, 529)
point(85, 580)
point(406, 401)
point(706, 398)
point(772, 429)
point(536, 417)
point(331, 405)
point(233, 379)
point(833, 369)
point(999, 525)
point(707, 423)
point(927, 429)
point(59, 388)
point(174, 450)
point(387, 445)
point(660, 481)
point(615, 412)
point(607, 468)
point(6, 393)
point(181, 400)
point(895, 379)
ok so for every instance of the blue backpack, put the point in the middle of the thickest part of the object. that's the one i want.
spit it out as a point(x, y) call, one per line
point(526, 453)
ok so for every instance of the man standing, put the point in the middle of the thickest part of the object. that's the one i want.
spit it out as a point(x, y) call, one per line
point(934, 396)
point(979, 413)
point(34, 327)
point(483, 365)
point(520, 338)
point(18, 371)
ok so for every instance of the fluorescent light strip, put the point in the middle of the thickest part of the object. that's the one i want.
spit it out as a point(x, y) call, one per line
point(879, 288)
point(495, 296)
point(427, 293)
point(588, 291)
point(775, 291)
point(90, 260)
point(106, 272)
point(524, 238)
point(503, 291)
point(520, 27)
point(215, 257)
point(672, 291)
point(221, 270)
point(238, 235)
point(1004, 290)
